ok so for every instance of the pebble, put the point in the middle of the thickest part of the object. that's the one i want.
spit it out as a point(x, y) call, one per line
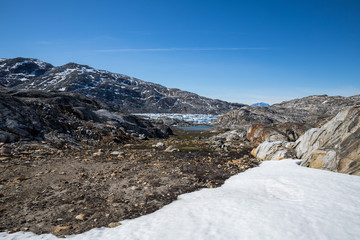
point(114, 224)
point(171, 149)
point(59, 228)
point(81, 217)
point(159, 144)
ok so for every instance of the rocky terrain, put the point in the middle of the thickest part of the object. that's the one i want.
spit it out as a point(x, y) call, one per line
point(46, 189)
point(70, 163)
point(72, 157)
point(120, 91)
point(312, 110)
point(335, 146)
point(67, 118)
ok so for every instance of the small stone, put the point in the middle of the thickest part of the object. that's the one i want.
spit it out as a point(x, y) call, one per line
point(142, 137)
point(15, 229)
point(114, 224)
point(98, 153)
point(160, 144)
point(115, 153)
point(5, 150)
point(81, 217)
point(59, 228)
point(171, 149)
point(135, 188)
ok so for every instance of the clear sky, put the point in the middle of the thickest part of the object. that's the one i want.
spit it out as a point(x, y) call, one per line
point(239, 51)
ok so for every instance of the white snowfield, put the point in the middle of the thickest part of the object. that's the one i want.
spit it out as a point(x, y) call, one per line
point(278, 200)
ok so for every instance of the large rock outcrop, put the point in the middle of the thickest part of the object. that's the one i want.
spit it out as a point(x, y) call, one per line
point(276, 150)
point(335, 146)
point(259, 133)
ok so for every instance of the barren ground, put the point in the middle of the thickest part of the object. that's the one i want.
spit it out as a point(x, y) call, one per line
point(72, 190)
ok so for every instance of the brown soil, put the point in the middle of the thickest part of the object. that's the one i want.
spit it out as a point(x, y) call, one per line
point(69, 191)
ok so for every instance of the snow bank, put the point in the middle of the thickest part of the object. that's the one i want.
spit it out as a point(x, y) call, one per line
point(278, 200)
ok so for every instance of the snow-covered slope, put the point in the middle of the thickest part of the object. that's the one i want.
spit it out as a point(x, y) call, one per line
point(278, 200)
point(118, 90)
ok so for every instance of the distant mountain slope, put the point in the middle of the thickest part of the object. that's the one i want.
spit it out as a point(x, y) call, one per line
point(120, 91)
point(260, 104)
point(311, 110)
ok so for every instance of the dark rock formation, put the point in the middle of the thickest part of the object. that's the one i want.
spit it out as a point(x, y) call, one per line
point(66, 117)
point(119, 91)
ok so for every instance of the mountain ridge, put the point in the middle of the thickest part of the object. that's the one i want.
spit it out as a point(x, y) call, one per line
point(118, 90)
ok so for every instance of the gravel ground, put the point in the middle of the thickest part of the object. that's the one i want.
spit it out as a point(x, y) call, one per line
point(69, 191)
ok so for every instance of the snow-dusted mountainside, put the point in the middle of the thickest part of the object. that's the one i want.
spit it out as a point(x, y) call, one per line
point(120, 91)
point(260, 104)
point(21, 70)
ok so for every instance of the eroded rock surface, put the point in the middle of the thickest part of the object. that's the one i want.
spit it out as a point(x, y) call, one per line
point(335, 146)
point(259, 133)
point(274, 150)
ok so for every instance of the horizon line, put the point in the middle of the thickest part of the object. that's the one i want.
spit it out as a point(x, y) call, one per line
point(174, 49)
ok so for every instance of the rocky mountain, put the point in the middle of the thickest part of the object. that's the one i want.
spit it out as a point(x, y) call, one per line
point(312, 110)
point(260, 104)
point(67, 119)
point(118, 90)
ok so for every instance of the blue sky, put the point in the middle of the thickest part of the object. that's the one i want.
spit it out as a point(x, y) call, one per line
point(239, 51)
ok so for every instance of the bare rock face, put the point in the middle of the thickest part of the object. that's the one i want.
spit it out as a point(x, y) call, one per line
point(335, 146)
point(259, 133)
point(274, 150)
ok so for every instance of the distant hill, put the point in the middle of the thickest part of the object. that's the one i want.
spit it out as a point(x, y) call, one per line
point(311, 110)
point(118, 90)
point(260, 104)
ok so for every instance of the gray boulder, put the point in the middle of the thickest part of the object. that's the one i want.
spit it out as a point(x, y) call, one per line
point(274, 150)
